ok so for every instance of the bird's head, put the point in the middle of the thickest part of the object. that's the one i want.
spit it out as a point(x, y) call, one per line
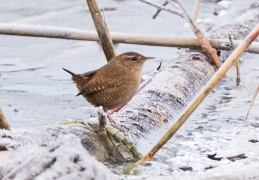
point(132, 60)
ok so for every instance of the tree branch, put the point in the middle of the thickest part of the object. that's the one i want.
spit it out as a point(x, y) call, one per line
point(237, 62)
point(205, 44)
point(139, 39)
point(202, 38)
point(251, 104)
point(102, 30)
point(179, 13)
point(159, 10)
point(196, 9)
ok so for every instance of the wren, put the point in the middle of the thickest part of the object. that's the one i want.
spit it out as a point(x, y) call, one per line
point(114, 84)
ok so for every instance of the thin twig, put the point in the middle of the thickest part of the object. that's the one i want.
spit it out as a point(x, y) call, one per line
point(203, 93)
point(159, 10)
point(251, 104)
point(202, 38)
point(179, 13)
point(237, 62)
point(196, 9)
point(176, 6)
point(103, 11)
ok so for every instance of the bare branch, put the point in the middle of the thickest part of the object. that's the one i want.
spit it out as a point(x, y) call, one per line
point(237, 62)
point(159, 10)
point(102, 30)
point(202, 38)
point(175, 5)
point(179, 13)
point(196, 9)
point(251, 104)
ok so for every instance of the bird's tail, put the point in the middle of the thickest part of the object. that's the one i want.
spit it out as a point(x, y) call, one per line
point(79, 80)
point(73, 74)
point(75, 77)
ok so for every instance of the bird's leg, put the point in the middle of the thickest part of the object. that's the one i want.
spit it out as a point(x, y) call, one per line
point(110, 119)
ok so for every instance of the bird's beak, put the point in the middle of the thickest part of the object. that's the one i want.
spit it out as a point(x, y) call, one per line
point(148, 58)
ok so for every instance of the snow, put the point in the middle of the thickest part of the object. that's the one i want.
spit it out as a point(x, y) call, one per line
point(55, 161)
point(225, 4)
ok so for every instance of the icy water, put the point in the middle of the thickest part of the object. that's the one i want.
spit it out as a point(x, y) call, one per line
point(35, 91)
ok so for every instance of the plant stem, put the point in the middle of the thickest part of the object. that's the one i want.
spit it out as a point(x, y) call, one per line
point(203, 93)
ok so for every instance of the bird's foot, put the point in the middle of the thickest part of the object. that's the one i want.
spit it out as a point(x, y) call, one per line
point(110, 119)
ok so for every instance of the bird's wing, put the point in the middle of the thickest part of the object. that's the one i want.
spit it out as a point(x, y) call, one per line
point(89, 74)
point(81, 79)
point(99, 84)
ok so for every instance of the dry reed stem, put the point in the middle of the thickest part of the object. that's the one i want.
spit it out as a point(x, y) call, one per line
point(205, 44)
point(203, 93)
point(102, 30)
point(138, 39)
point(238, 79)
point(196, 9)
point(251, 104)
point(204, 41)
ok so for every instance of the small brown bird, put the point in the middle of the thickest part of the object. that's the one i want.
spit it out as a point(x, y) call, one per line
point(114, 84)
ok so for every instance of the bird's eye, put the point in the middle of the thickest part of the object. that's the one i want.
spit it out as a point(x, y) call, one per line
point(134, 58)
